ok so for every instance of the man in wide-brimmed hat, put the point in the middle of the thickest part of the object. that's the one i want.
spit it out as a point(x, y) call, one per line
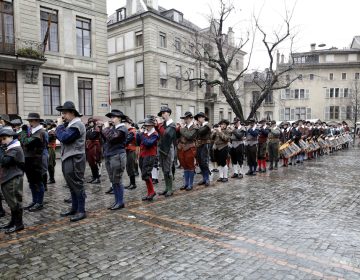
point(51, 127)
point(71, 132)
point(115, 154)
point(203, 147)
point(11, 177)
point(252, 134)
point(166, 149)
point(16, 125)
point(262, 145)
point(33, 139)
point(147, 140)
point(238, 135)
point(221, 139)
point(186, 149)
point(93, 149)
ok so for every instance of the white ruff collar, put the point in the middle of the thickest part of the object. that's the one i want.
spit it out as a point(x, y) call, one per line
point(74, 121)
point(13, 145)
point(148, 133)
point(35, 129)
point(169, 122)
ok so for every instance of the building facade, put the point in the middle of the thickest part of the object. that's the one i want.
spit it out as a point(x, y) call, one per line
point(52, 51)
point(149, 68)
point(327, 86)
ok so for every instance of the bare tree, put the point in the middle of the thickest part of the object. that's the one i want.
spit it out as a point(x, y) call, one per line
point(355, 101)
point(214, 49)
point(275, 78)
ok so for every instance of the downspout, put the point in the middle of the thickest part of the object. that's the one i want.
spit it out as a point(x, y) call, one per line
point(143, 54)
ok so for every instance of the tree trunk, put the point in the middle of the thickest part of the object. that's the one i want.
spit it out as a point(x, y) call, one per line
point(232, 99)
point(258, 103)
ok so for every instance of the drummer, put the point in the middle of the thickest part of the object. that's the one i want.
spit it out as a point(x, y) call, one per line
point(285, 137)
point(295, 136)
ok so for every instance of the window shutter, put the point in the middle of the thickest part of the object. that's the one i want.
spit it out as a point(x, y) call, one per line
point(307, 94)
point(120, 71)
point(139, 73)
point(282, 94)
point(327, 113)
point(342, 113)
point(292, 114)
point(308, 113)
point(282, 114)
point(327, 93)
point(163, 70)
point(341, 93)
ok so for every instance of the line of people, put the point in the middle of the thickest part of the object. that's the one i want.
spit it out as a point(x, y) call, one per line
point(159, 142)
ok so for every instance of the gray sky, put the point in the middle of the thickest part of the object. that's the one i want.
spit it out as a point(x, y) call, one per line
point(333, 23)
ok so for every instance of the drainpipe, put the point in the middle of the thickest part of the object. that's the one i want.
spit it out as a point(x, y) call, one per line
point(143, 55)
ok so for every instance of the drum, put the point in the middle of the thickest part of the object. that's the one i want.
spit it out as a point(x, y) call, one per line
point(303, 145)
point(295, 149)
point(321, 142)
point(284, 151)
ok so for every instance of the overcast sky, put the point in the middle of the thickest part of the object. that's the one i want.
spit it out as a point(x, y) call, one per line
point(333, 23)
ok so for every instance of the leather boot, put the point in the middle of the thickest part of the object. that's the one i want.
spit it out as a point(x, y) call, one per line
point(18, 222)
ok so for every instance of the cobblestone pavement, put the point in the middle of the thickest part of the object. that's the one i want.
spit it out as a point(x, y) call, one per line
point(294, 223)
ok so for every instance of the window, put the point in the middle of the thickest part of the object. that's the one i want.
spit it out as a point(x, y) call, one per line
point(83, 37)
point(268, 115)
point(346, 92)
point(287, 93)
point(237, 64)
point(120, 77)
point(296, 96)
point(357, 76)
point(163, 74)
point(221, 113)
point(51, 91)
point(331, 76)
point(348, 112)
point(269, 98)
point(52, 43)
point(139, 74)
point(162, 38)
point(300, 113)
point(178, 77)
point(85, 96)
point(230, 116)
point(302, 94)
point(336, 92)
point(334, 112)
point(343, 76)
point(191, 82)
point(8, 93)
point(120, 14)
point(7, 38)
point(311, 77)
point(287, 114)
point(255, 96)
point(300, 77)
point(139, 39)
point(177, 44)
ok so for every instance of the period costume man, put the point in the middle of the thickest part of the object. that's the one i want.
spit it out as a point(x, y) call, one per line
point(71, 132)
point(203, 147)
point(115, 154)
point(252, 134)
point(262, 145)
point(147, 140)
point(221, 141)
point(51, 127)
point(93, 149)
point(186, 149)
point(295, 136)
point(131, 153)
point(238, 136)
point(12, 163)
point(167, 132)
point(33, 140)
point(274, 145)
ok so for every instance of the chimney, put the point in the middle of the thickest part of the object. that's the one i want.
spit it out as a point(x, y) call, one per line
point(282, 59)
point(277, 57)
point(231, 39)
point(312, 46)
point(153, 4)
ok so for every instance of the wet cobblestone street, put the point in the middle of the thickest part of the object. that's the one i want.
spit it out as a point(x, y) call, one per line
point(295, 223)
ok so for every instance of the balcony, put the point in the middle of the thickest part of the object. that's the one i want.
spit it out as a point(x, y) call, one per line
point(210, 96)
point(264, 104)
point(26, 54)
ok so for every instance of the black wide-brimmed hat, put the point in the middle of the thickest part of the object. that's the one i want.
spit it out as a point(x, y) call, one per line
point(224, 121)
point(164, 109)
point(16, 122)
point(68, 106)
point(116, 113)
point(201, 115)
point(187, 115)
point(34, 117)
point(7, 132)
point(150, 121)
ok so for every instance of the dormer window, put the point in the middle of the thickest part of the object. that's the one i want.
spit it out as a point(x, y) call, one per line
point(177, 17)
point(120, 14)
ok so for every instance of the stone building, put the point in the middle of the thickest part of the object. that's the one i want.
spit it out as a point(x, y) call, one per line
point(36, 75)
point(327, 84)
point(147, 64)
